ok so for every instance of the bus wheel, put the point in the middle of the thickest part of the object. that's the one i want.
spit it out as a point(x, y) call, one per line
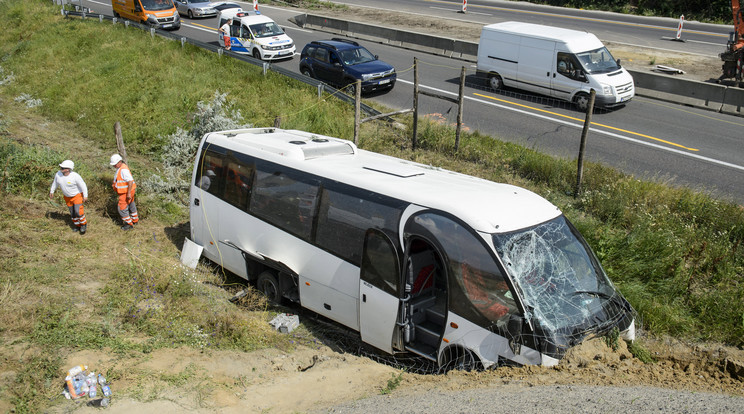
point(269, 286)
point(460, 359)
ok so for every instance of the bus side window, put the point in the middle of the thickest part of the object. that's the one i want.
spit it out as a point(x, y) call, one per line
point(238, 184)
point(210, 176)
point(286, 200)
point(344, 217)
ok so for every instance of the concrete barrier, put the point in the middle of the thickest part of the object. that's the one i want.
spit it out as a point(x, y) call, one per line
point(698, 94)
point(682, 91)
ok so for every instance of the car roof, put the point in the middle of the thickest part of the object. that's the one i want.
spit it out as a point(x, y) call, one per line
point(337, 44)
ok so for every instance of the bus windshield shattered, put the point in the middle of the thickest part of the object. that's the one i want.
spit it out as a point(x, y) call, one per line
point(566, 293)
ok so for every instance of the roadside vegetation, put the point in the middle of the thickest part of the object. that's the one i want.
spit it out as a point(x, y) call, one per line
point(676, 254)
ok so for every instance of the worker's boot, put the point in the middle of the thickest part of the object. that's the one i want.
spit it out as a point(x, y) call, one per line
point(127, 227)
point(83, 228)
point(76, 229)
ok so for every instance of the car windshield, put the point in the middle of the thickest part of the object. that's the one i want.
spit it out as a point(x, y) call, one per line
point(560, 279)
point(266, 29)
point(155, 5)
point(598, 61)
point(356, 56)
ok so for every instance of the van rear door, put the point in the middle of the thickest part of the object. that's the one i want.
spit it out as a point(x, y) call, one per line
point(535, 64)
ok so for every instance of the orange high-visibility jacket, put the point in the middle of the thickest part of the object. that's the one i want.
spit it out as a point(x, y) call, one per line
point(119, 184)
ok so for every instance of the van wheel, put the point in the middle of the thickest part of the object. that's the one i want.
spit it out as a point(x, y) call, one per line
point(460, 359)
point(116, 15)
point(582, 101)
point(495, 82)
point(256, 54)
point(306, 72)
point(351, 88)
point(269, 286)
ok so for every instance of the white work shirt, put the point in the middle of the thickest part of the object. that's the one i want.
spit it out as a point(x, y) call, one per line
point(70, 184)
point(126, 175)
point(225, 29)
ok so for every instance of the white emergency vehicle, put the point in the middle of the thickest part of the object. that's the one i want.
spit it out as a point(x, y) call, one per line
point(459, 270)
point(256, 34)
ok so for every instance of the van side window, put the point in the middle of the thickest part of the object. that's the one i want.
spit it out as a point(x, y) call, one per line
point(211, 174)
point(235, 29)
point(568, 66)
point(238, 183)
point(285, 198)
point(346, 214)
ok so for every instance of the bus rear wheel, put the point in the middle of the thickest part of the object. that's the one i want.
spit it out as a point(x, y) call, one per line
point(268, 284)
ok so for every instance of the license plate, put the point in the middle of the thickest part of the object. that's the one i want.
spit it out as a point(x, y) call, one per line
point(384, 81)
point(167, 25)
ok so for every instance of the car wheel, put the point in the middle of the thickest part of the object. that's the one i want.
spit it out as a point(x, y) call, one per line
point(256, 54)
point(582, 101)
point(495, 82)
point(116, 15)
point(191, 14)
point(351, 88)
point(269, 286)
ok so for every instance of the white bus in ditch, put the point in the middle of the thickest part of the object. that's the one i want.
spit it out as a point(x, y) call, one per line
point(460, 270)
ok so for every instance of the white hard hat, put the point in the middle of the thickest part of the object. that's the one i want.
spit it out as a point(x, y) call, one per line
point(115, 158)
point(67, 164)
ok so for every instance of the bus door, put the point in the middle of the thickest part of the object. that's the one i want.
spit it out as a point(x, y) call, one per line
point(378, 291)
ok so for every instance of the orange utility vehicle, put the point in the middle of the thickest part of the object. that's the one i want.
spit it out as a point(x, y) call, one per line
point(161, 14)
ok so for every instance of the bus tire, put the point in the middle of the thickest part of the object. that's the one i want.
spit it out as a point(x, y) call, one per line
point(268, 284)
point(460, 359)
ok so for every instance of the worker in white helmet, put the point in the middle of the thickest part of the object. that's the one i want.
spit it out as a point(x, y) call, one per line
point(124, 186)
point(75, 193)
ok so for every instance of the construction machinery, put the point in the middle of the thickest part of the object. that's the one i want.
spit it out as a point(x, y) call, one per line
point(733, 57)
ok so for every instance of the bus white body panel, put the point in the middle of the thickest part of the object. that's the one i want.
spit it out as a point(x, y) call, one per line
point(416, 258)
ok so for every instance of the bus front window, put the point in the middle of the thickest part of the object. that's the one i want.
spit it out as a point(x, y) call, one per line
point(561, 281)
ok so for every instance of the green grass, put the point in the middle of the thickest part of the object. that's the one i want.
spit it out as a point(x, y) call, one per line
point(676, 254)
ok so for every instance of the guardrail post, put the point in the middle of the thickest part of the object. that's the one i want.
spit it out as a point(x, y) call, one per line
point(152, 32)
point(115, 20)
point(415, 104)
point(126, 23)
point(183, 41)
point(220, 51)
point(265, 67)
point(100, 18)
point(320, 90)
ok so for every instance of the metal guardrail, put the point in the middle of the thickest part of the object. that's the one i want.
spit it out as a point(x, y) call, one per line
point(267, 66)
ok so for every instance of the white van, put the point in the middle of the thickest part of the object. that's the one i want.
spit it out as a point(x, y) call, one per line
point(255, 34)
point(455, 269)
point(562, 63)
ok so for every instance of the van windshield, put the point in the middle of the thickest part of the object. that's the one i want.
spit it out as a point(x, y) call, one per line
point(598, 61)
point(266, 29)
point(155, 5)
point(560, 280)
